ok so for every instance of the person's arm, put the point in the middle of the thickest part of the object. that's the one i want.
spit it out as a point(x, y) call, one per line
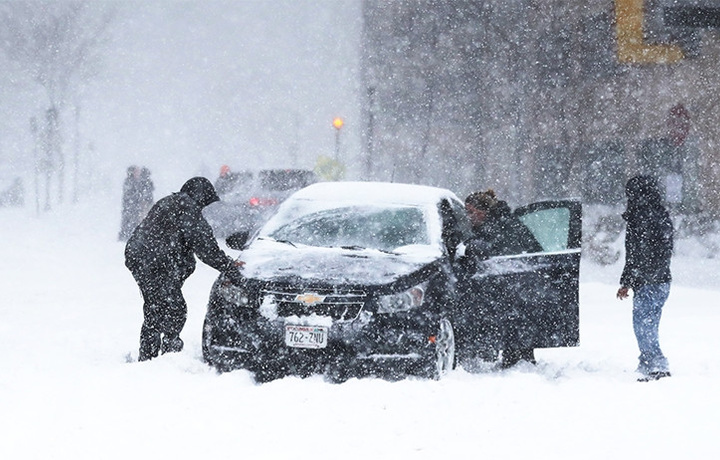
point(205, 245)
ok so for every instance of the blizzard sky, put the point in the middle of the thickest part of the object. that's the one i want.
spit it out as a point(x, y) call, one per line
point(187, 86)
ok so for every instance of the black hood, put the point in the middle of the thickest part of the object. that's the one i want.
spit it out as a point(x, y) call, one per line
point(201, 190)
point(642, 192)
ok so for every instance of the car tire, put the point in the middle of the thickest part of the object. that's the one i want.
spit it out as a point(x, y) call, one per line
point(209, 356)
point(213, 334)
point(442, 359)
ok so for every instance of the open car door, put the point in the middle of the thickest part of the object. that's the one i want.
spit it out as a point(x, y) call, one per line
point(550, 295)
point(530, 299)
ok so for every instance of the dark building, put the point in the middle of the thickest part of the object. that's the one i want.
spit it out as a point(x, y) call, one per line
point(543, 98)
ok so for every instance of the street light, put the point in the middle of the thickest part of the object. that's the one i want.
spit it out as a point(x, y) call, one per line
point(337, 124)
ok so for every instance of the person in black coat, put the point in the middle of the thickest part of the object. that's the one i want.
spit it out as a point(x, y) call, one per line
point(648, 250)
point(160, 254)
point(136, 200)
point(497, 231)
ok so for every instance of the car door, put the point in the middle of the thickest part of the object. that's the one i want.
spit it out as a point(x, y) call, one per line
point(550, 293)
point(529, 300)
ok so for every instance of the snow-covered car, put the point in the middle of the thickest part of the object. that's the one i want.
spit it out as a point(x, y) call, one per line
point(248, 199)
point(366, 278)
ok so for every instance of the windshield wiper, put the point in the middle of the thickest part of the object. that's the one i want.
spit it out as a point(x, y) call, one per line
point(277, 241)
point(356, 247)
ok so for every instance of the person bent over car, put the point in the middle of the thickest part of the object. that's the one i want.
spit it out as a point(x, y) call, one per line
point(160, 254)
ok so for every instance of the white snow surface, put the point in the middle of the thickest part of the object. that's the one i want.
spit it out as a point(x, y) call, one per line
point(71, 313)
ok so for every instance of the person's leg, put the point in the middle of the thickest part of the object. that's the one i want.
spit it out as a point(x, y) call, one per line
point(151, 284)
point(174, 318)
point(149, 333)
point(648, 302)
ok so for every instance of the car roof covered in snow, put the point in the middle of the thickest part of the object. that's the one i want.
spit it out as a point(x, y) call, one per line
point(374, 192)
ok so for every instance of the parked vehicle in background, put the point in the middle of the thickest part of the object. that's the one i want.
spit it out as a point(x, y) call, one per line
point(248, 199)
point(352, 279)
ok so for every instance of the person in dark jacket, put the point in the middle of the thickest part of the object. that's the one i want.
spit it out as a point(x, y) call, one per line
point(161, 256)
point(648, 250)
point(497, 231)
point(136, 200)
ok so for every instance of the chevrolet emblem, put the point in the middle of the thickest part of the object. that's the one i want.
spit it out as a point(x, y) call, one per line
point(309, 298)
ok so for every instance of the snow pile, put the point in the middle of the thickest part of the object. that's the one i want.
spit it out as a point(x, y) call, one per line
point(71, 313)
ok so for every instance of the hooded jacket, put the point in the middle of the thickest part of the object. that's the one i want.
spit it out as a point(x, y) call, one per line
point(649, 236)
point(174, 231)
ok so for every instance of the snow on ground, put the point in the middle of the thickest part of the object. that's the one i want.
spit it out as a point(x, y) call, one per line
point(70, 313)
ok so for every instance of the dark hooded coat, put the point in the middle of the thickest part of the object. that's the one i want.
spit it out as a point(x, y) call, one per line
point(161, 255)
point(175, 231)
point(649, 236)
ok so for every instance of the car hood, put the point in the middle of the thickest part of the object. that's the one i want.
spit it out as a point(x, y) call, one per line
point(270, 260)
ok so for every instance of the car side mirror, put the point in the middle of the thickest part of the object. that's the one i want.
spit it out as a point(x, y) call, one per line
point(237, 240)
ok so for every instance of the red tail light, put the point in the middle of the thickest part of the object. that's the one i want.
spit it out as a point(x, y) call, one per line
point(257, 201)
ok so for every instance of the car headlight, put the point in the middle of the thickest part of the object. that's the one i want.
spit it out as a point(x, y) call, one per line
point(235, 295)
point(402, 301)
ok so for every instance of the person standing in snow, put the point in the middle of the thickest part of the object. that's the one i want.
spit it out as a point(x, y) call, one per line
point(136, 201)
point(648, 250)
point(160, 254)
point(226, 181)
point(497, 231)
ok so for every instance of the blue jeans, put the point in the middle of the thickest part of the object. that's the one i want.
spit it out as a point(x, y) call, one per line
point(648, 302)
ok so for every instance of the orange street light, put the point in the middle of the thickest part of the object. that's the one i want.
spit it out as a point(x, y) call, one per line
point(337, 124)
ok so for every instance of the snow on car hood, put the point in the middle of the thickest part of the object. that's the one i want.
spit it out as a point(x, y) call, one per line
point(266, 259)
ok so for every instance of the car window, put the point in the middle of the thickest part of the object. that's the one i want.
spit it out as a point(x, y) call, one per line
point(550, 227)
point(376, 228)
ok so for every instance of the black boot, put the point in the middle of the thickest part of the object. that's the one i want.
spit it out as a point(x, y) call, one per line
point(149, 346)
point(172, 345)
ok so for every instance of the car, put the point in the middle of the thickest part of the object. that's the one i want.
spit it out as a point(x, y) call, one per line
point(248, 199)
point(357, 279)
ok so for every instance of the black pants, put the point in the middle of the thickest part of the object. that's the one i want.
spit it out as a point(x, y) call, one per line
point(164, 311)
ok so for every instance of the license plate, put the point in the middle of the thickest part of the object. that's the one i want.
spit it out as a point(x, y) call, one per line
point(306, 336)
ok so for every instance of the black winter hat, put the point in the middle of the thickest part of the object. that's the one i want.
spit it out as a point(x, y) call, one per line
point(201, 190)
point(643, 190)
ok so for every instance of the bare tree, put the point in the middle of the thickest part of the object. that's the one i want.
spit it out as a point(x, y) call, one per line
point(57, 44)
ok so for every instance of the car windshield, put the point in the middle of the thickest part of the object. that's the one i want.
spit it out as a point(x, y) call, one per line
point(384, 229)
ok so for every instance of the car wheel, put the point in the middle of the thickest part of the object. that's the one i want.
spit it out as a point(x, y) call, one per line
point(208, 339)
point(214, 338)
point(442, 360)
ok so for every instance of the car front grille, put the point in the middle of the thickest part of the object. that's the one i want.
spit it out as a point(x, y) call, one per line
point(339, 305)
